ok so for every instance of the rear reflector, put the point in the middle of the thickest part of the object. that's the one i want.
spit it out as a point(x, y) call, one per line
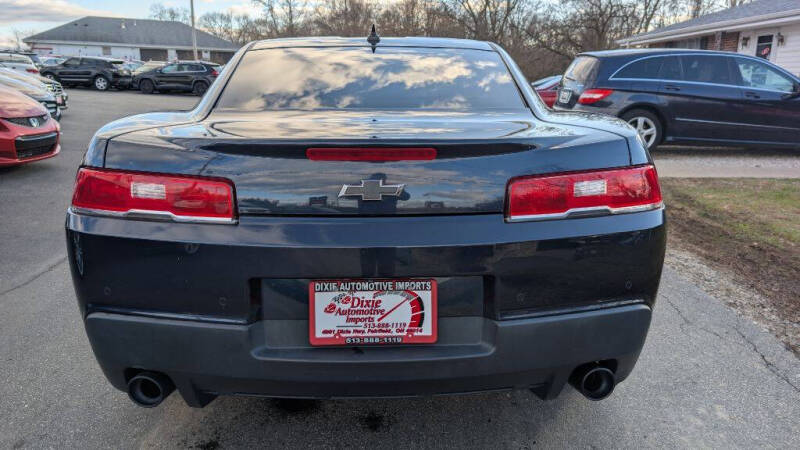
point(590, 96)
point(173, 197)
point(576, 194)
point(371, 154)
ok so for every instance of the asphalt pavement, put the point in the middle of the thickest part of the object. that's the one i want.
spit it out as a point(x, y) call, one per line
point(706, 377)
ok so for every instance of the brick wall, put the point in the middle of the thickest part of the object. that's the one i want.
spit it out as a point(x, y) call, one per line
point(717, 41)
point(709, 42)
point(730, 42)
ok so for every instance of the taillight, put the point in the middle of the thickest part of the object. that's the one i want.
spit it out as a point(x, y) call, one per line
point(576, 194)
point(157, 196)
point(371, 154)
point(30, 70)
point(214, 72)
point(590, 96)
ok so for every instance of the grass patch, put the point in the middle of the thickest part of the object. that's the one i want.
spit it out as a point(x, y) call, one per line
point(751, 227)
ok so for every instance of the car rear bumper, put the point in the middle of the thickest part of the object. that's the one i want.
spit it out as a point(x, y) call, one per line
point(476, 354)
point(224, 309)
point(121, 82)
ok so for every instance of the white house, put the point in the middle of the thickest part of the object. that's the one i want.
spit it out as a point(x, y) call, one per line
point(141, 39)
point(766, 28)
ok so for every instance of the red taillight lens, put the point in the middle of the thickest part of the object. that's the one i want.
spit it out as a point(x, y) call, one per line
point(583, 193)
point(176, 197)
point(32, 70)
point(370, 154)
point(214, 72)
point(590, 96)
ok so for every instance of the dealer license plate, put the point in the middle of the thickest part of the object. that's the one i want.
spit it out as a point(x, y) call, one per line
point(372, 312)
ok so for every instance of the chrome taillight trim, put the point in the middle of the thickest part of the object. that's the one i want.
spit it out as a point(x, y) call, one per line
point(594, 211)
point(162, 216)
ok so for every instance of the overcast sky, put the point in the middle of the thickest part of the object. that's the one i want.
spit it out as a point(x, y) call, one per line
point(40, 15)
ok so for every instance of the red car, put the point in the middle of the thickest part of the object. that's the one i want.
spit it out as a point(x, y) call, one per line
point(547, 88)
point(27, 132)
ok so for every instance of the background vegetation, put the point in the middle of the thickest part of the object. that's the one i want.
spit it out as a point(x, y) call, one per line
point(542, 35)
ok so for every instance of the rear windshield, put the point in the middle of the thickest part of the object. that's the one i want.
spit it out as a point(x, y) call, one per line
point(581, 69)
point(356, 78)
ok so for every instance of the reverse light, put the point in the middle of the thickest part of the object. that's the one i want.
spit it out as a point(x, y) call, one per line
point(597, 192)
point(154, 196)
point(371, 154)
point(590, 96)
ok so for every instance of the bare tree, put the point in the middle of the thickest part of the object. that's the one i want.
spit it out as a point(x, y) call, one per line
point(486, 20)
point(160, 12)
point(344, 17)
point(220, 24)
point(17, 35)
point(543, 36)
point(285, 18)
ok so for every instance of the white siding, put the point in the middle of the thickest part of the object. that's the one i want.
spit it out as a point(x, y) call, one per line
point(126, 53)
point(786, 55)
point(45, 49)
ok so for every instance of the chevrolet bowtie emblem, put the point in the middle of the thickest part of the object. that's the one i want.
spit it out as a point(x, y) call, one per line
point(372, 190)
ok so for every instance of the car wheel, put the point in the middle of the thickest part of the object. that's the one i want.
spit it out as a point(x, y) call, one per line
point(100, 83)
point(146, 86)
point(647, 125)
point(200, 88)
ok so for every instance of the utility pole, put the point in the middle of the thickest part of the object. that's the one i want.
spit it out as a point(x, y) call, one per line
point(194, 33)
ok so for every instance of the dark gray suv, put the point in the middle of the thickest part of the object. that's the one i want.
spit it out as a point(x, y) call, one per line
point(187, 76)
point(688, 96)
point(100, 73)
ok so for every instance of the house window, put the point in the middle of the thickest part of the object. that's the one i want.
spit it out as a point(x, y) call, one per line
point(106, 51)
point(704, 43)
point(764, 46)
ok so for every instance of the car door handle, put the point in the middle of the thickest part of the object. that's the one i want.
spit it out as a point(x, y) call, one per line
point(671, 87)
point(751, 95)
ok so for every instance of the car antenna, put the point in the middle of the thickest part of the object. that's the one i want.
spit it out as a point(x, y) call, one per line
point(373, 38)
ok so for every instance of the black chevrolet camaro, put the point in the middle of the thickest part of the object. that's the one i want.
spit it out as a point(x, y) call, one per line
point(352, 218)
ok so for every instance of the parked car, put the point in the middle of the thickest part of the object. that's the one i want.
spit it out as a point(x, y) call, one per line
point(27, 132)
point(133, 65)
point(186, 76)
point(547, 88)
point(62, 98)
point(53, 61)
point(33, 56)
point(688, 96)
point(338, 218)
point(146, 67)
point(101, 73)
point(35, 90)
point(16, 61)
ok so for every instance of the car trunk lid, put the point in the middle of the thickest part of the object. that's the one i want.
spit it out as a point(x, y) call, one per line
point(266, 155)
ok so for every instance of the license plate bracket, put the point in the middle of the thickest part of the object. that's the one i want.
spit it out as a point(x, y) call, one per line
point(372, 311)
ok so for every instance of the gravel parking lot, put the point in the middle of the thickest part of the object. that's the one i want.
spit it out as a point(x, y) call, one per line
point(707, 377)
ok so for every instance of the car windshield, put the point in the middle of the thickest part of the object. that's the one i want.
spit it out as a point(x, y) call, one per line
point(356, 78)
